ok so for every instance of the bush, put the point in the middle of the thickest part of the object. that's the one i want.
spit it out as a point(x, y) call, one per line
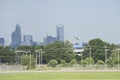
point(100, 62)
point(73, 61)
point(53, 63)
point(84, 62)
point(26, 61)
point(63, 63)
point(89, 60)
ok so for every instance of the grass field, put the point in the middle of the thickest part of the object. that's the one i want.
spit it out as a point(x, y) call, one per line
point(61, 76)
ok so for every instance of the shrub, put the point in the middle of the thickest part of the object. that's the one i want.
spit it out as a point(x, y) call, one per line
point(100, 62)
point(84, 62)
point(26, 61)
point(73, 61)
point(63, 63)
point(53, 63)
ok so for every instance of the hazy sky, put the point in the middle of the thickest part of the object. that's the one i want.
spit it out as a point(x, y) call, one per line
point(86, 19)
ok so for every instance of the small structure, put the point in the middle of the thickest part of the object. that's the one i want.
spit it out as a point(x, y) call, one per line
point(78, 48)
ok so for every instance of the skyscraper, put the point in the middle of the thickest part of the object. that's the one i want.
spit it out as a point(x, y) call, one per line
point(60, 32)
point(27, 40)
point(16, 37)
point(2, 42)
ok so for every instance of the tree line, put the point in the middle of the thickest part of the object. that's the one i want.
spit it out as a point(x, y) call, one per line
point(62, 53)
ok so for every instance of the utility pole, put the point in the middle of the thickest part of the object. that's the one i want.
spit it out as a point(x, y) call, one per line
point(30, 60)
point(0, 65)
point(90, 56)
point(41, 57)
point(105, 57)
point(118, 59)
point(81, 60)
point(36, 58)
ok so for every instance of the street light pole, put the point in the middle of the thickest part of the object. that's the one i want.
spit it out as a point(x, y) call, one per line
point(18, 57)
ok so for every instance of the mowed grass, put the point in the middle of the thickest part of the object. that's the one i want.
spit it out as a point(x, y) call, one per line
point(61, 76)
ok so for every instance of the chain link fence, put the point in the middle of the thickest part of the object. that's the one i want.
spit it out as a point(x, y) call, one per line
point(11, 60)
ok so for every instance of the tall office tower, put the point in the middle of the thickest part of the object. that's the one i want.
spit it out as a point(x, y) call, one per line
point(2, 42)
point(27, 40)
point(16, 37)
point(60, 32)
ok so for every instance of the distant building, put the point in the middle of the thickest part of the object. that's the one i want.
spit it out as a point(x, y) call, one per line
point(34, 43)
point(49, 40)
point(41, 44)
point(60, 32)
point(2, 42)
point(16, 37)
point(27, 40)
point(78, 48)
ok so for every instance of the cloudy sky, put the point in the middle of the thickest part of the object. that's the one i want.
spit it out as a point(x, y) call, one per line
point(86, 19)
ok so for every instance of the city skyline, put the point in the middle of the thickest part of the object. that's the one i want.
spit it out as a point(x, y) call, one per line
point(86, 19)
point(16, 38)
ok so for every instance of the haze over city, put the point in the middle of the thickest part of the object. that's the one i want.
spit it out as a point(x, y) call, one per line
point(86, 19)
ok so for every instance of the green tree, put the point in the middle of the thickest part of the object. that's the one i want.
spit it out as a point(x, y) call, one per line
point(98, 52)
point(83, 63)
point(58, 50)
point(100, 62)
point(63, 63)
point(97, 48)
point(7, 55)
point(27, 62)
point(112, 62)
point(89, 60)
point(113, 58)
point(53, 63)
point(73, 61)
